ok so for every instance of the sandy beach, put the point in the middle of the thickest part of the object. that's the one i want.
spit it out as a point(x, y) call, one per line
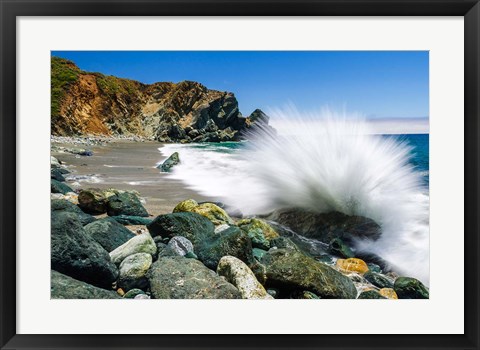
point(127, 165)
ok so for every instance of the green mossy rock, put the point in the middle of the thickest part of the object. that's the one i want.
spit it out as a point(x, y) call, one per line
point(231, 241)
point(180, 278)
point(57, 174)
point(59, 187)
point(410, 288)
point(283, 242)
point(289, 270)
point(125, 203)
point(108, 233)
point(65, 287)
point(258, 225)
point(132, 271)
point(258, 253)
point(92, 201)
point(211, 211)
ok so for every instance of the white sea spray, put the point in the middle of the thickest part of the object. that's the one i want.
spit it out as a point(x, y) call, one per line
point(322, 162)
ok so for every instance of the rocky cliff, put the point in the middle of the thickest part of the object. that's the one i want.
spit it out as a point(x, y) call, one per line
point(86, 103)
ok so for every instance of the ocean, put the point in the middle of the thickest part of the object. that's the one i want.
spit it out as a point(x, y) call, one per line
point(383, 177)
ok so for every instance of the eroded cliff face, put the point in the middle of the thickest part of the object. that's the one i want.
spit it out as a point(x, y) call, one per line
point(94, 104)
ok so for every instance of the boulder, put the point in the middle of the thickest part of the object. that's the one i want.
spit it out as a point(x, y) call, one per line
point(232, 241)
point(378, 280)
point(108, 233)
point(180, 278)
point(76, 254)
point(352, 265)
point(371, 294)
point(132, 271)
point(125, 203)
point(327, 226)
point(61, 205)
point(65, 287)
point(92, 201)
point(54, 162)
point(71, 197)
point(258, 253)
point(59, 187)
point(170, 162)
point(211, 211)
point(290, 270)
point(180, 245)
point(142, 243)
point(238, 274)
point(410, 288)
point(131, 220)
point(192, 226)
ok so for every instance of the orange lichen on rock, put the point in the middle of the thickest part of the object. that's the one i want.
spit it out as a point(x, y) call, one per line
point(352, 265)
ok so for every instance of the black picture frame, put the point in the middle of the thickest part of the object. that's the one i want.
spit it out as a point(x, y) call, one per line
point(10, 9)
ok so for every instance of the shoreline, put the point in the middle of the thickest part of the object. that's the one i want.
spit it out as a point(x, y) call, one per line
point(124, 164)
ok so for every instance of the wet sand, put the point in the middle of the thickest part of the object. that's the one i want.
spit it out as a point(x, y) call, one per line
point(129, 165)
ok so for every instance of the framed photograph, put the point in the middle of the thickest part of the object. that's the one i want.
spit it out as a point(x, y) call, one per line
point(239, 175)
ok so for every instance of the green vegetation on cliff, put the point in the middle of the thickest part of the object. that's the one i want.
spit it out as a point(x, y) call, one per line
point(64, 73)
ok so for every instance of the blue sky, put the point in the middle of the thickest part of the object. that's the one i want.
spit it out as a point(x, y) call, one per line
point(377, 84)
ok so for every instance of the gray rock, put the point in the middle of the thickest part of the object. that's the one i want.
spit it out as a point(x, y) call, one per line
point(76, 254)
point(65, 287)
point(170, 162)
point(132, 271)
point(180, 278)
point(238, 274)
point(142, 243)
point(109, 233)
point(180, 245)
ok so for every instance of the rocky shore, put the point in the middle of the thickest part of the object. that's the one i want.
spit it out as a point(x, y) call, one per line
point(107, 244)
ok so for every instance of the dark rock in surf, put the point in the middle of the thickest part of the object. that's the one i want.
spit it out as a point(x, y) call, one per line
point(339, 248)
point(59, 187)
point(410, 288)
point(125, 203)
point(76, 254)
point(65, 287)
point(327, 226)
point(61, 205)
point(378, 280)
point(181, 278)
point(289, 270)
point(108, 233)
point(168, 164)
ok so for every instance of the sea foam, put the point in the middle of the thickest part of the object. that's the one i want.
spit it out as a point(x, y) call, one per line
point(329, 162)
